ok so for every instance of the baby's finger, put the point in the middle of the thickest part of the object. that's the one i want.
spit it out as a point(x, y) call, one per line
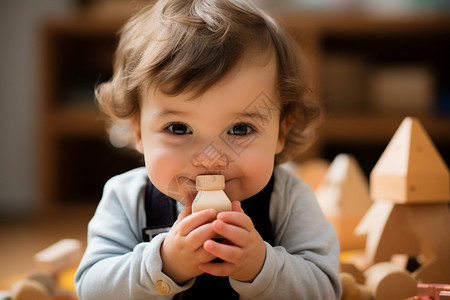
point(228, 253)
point(217, 269)
point(192, 221)
point(236, 206)
point(203, 256)
point(236, 235)
point(236, 218)
point(199, 235)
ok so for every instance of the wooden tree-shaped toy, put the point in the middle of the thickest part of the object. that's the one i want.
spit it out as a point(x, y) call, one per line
point(343, 195)
point(410, 215)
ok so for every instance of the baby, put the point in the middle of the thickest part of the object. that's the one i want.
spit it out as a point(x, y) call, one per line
point(209, 87)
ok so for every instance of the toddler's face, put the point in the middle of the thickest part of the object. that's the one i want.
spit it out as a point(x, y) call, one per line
point(231, 129)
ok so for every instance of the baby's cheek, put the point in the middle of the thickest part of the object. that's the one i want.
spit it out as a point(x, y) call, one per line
point(258, 167)
point(258, 159)
point(162, 167)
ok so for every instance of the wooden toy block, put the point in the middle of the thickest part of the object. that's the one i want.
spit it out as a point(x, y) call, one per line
point(28, 289)
point(64, 254)
point(210, 194)
point(431, 223)
point(416, 230)
point(351, 290)
point(343, 195)
point(345, 227)
point(45, 278)
point(388, 281)
point(346, 187)
point(410, 170)
point(353, 271)
point(387, 233)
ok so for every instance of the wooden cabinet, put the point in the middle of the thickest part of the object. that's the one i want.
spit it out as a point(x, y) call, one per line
point(76, 157)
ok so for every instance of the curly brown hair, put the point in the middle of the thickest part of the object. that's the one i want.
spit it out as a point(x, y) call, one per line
point(189, 45)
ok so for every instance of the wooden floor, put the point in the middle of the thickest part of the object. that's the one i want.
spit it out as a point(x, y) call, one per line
point(21, 239)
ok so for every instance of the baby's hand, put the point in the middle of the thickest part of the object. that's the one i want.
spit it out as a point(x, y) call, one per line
point(245, 253)
point(182, 250)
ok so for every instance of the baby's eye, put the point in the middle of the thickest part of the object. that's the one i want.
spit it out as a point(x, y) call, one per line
point(178, 128)
point(240, 129)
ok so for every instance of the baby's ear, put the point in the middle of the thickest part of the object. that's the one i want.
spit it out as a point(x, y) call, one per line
point(137, 134)
point(285, 126)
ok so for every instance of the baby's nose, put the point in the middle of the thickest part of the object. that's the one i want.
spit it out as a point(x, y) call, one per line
point(211, 158)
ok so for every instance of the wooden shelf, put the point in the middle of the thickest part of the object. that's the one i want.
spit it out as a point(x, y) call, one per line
point(373, 128)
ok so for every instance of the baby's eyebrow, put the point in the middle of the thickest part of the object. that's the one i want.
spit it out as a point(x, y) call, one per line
point(261, 117)
point(167, 112)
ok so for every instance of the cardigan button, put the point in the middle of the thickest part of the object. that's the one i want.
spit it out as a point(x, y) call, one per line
point(162, 287)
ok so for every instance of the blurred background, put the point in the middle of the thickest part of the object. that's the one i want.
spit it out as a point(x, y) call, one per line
point(372, 62)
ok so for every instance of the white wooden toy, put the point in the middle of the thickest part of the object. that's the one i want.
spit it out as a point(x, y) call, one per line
point(210, 194)
point(63, 254)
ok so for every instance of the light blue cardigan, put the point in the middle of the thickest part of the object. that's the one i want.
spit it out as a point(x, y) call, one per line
point(302, 264)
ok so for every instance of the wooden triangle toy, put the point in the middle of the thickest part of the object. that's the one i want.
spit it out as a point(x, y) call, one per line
point(410, 170)
point(343, 195)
